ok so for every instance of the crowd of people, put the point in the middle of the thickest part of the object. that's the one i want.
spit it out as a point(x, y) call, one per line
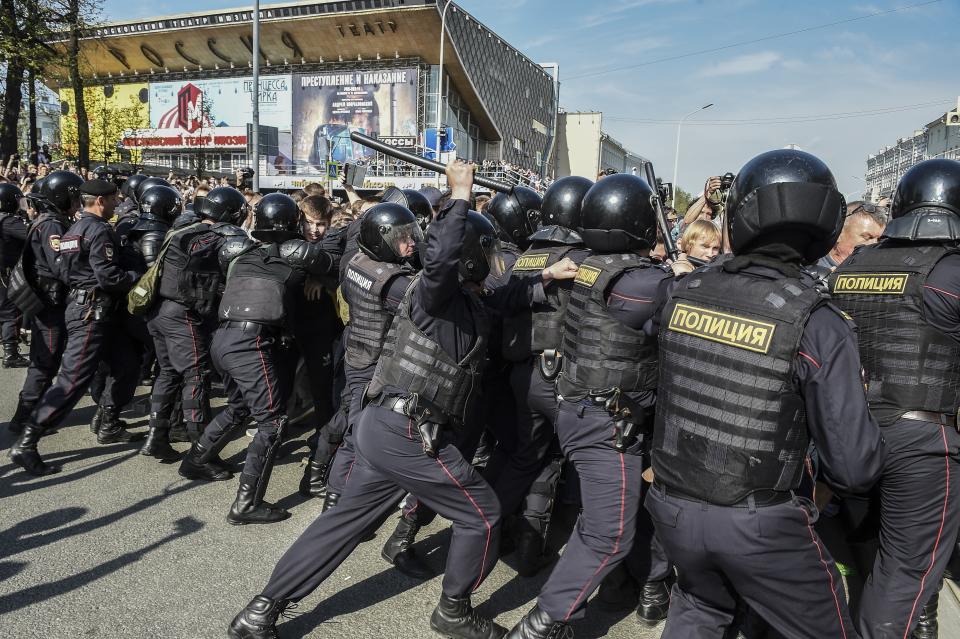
point(466, 352)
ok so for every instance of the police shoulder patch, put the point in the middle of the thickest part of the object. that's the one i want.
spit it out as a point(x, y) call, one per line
point(870, 283)
point(532, 262)
point(108, 251)
point(587, 275)
point(733, 330)
point(70, 244)
point(54, 242)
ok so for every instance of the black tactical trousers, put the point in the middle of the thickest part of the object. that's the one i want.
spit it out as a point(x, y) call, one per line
point(10, 319)
point(768, 556)
point(131, 339)
point(48, 336)
point(610, 485)
point(390, 462)
point(81, 358)
point(536, 410)
point(247, 360)
point(182, 341)
point(356, 381)
point(919, 520)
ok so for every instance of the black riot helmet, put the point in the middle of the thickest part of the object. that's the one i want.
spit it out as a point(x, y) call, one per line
point(480, 254)
point(10, 198)
point(276, 219)
point(418, 204)
point(562, 201)
point(62, 189)
point(388, 232)
point(222, 204)
point(788, 196)
point(926, 204)
point(517, 214)
point(161, 203)
point(617, 215)
point(129, 186)
point(102, 173)
point(144, 185)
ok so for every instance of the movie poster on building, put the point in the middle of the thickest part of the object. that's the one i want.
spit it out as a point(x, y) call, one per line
point(111, 110)
point(327, 107)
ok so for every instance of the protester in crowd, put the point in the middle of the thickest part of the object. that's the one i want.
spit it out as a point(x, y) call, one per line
point(862, 226)
point(699, 244)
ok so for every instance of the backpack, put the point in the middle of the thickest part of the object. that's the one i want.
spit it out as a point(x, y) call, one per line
point(143, 295)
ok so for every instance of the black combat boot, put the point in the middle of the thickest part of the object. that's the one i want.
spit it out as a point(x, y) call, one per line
point(314, 479)
point(654, 603)
point(537, 625)
point(21, 416)
point(399, 551)
point(158, 443)
point(529, 549)
point(178, 433)
point(455, 618)
point(192, 467)
point(12, 357)
point(97, 420)
point(258, 620)
point(927, 626)
point(330, 501)
point(113, 430)
point(248, 508)
point(24, 453)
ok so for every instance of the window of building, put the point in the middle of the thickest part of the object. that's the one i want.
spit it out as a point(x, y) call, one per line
point(518, 144)
point(538, 126)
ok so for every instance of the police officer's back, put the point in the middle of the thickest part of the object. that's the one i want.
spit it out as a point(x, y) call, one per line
point(754, 364)
point(13, 236)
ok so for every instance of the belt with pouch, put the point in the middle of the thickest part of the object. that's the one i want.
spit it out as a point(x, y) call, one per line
point(82, 296)
point(944, 419)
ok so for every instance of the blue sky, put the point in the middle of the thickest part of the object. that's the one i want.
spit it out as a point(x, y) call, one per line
point(877, 64)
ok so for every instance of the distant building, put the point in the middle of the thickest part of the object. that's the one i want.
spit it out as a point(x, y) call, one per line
point(584, 149)
point(938, 139)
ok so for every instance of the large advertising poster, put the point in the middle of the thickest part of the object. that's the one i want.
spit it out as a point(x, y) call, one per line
point(111, 110)
point(213, 113)
point(327, 107)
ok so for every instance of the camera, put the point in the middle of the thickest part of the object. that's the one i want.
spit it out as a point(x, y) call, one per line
point(726, 181)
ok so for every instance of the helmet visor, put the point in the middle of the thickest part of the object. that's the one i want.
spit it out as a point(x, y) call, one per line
point(494, 254)
point(402, 239)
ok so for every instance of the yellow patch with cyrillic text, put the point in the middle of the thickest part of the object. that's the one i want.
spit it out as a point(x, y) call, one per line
point(587, 275)
point(532, 262)
point(732, 330)
point(871, 283)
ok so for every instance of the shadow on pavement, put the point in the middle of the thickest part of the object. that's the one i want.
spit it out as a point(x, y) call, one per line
point(19, 481)
point(23, 598)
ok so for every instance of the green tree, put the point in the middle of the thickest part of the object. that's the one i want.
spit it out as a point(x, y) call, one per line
point(683, 200)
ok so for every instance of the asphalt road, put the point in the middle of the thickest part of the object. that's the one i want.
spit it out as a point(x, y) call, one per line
point(119, 546)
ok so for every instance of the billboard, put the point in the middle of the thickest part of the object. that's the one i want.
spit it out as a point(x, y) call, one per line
point(111, 109)
point(327, 107)
point(213, 114)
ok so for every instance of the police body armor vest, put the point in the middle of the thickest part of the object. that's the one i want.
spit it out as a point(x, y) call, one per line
point(10, 247)
point(600, 352)
point(191, 274)
point(256, 288)
point(730, 420)
point(530, 332)
point(909, 364)
point(419, 365)
point(366, 279)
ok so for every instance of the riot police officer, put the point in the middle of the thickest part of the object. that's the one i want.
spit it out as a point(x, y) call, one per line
point(607, 388)
point(416, 400)
point(89, 255)
point(532, 342)
point(37, 284)
point(261, 288)
point(904, 295)
point(183, 320)
point(158, 206)
point(754, 363)
point(128, 190)
point(13, 236)
point(375, 280)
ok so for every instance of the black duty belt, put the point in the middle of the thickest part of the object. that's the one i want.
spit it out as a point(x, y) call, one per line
point(398, 404)
point(81, 295)
point(944, 419)
point(253, 327)
point(757, 499)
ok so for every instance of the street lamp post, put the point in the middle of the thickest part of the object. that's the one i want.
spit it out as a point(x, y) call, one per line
point(443, 32)
point(676, 155)
point(255, 129)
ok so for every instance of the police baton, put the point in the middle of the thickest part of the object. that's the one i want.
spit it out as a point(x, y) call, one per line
point(423, 162)
point(668, 244)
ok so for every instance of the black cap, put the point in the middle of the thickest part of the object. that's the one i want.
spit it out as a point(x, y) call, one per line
point(98, 188)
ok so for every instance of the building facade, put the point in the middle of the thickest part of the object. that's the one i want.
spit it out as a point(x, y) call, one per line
point(938, 139)
point(583, 148)
point(180, 88)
